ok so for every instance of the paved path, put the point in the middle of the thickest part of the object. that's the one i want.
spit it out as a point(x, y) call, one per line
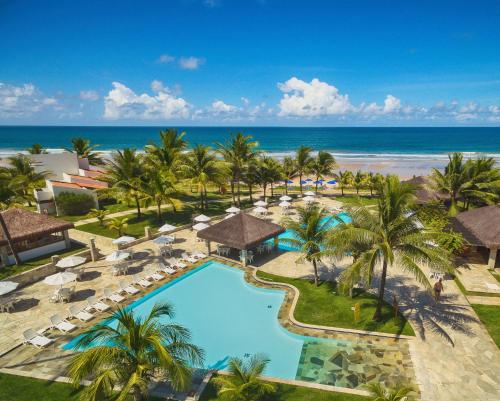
point(484, 300)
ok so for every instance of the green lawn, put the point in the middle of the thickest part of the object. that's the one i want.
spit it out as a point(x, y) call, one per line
point(351, 200)
point(323, 306)
point(12, 270)
point(287, 392)
point(490, 316)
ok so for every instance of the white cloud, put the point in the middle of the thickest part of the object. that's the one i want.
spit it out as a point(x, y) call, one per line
point(22, 101)
point(311, 99)
point(165, 59)
point(245, 101)
point(219, 107)
point(89, 95)
point(391, 104)
point(191, 63)
point(123, 103)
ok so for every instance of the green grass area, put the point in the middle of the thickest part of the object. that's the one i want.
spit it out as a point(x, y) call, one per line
point(495, 274)
point(30, 264)
point(287, 392)
point(472, 293)
point(352, 200)
point(490, 316)
point(323, 306)
point(18, 388)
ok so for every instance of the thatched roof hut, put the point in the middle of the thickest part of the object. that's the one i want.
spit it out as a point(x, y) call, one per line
point(424, 193)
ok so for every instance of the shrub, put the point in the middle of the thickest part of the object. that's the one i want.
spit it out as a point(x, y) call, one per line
point(71, 203)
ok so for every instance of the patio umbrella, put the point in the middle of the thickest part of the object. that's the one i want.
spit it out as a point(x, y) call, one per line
point(71, 261)
point(167, 228)
point(332, 182)
point(116, 256)
point(260, 203)
point(288, 182)
point(318, 182)
point(286, 198)
point(285, 204)
point(309, 199)
point(229, 216)
point(200, 226)
point(202, 218)
point(163, 240)
point(303, 182)
point(309, 193)
point(233, 209)
point(260, 210)
point(125, 239)
point(60, 278)
point(7, 286)
point(309, 179)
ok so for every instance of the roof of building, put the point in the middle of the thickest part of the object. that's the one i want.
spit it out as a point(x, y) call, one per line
point(241, 231)
point(23, 224)
point(65, 184)
point(424, 193)
point(87, 182)
point(480, 226)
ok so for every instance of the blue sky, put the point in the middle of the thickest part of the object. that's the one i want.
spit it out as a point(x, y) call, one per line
point(222, 62)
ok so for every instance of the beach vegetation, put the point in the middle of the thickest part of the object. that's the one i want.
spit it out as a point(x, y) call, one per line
point(289, 170)
point(398, 393)
point(322, 166)
point(36, 149)
point(118, 224)
point(85, 150)
point(359, 181)
point(344, 180)
point(74, 204)
point(99, 214)
point(303, 160)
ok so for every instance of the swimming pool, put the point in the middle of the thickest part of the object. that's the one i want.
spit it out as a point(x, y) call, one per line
point(228, 318)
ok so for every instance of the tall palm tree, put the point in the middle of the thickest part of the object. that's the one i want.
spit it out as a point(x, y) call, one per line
point(266, 172)
point(379, 393)
point(22, 177)
point(238, 151)
point(309, 234)
point(166, 155)
point(374, 181)
point(131, 355)
point(251, 177)
point(36, 149)
point(158, 187)
point(202, 167)
point(359, 181)
point(344, 180)
point(289, 169)
point(322, 165)
point(244, 384)
point(483, 182)
point(84, 149)
point(391, 236)
point(275, 172)
point(303, 160)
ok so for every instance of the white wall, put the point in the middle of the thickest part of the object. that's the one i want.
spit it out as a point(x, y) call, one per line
point(40, 251)
point(56, 164)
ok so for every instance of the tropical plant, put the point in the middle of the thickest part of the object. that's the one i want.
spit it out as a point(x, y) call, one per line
point(99, 214)
point(265, 172)
point(36, 149)
point(22, 179)
point(374, 181)
point(167, 154)
point(127, 358)
point(118, 224)
point(483, 182)
point(74, 204)
point(308, 234)
point(250, 177)
point(85, 150)
point(289, 170)
point(344, 180)
point(303, 160)
point(391, 236)
point(399, 393)
point(322, 165)
point(359, 181)
point(158, 187)
point(244, 383)
point(275, 172)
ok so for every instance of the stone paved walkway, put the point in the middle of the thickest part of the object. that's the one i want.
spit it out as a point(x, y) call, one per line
point(476, 277)
point(484, 300)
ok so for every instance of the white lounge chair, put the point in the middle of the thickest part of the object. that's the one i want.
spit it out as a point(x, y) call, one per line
point(113, 296)
point(176, 263)
point(198, 255)
point(155, 275)
point(167, 269)
point(61, 324)
point(38, 340)
point(80, 314)
point(94, 303)
point(141, 281)
point(185, 256)
point(128, 288)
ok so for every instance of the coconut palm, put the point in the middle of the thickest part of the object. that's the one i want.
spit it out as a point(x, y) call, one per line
point(266, 172)
point(308, 234)
point(303, 160)
point(359, 181)
point(250, 177)
point(483, 182)
point(374, 181)
point(289, 169)
point(168, 153)
point(391, 236)
point(275, 172)
point(244, 383)
point(322, 165)
point(379, 393)
point(36, 149)
point(158, 187)
point(85, 150)
point(127, 358)
point(118, 224)
point(344, 180)
point(99, 214)
point(202, 167)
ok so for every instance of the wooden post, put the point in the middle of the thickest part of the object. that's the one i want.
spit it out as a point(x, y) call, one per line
point(244, 257)
point(493, 258)
point(147, 232)
point(209, 250)
point(93, 250)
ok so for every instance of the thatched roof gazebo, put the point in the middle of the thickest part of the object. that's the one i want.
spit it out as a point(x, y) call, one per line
point(241, 231)
point(481, 228)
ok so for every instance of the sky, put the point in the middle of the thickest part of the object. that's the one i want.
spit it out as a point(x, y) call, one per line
point(250, 62)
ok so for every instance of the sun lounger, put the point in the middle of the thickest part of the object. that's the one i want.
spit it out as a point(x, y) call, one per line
point(188, 258)
point(94, 303)
point(141, 281)
point(128, 288)
point(176, 263)
point(198, 255)
point(155, 275)
point(38, 340)
point(80, 314)
point(167, 269)
point(112, 296)
point(61, 324)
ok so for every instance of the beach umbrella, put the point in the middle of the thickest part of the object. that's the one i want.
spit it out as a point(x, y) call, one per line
point(309, 193)
point(125, 239)
point(7, 286)
point(288, 182)
point(116, 256)
point(303, 182)
point(229, 216)
point(332, 182)
point(260, 203)
point(202, 218)
point(321, 180)
point(163, 240)
point(60, 278)
point(286, 198)
point(233, 209)
point(309, 199)
point(285, 204)
point(260, 210)
point(318, 182)
point(309, 180)
point(200, 226)
point(167, 228)
point(71, 261)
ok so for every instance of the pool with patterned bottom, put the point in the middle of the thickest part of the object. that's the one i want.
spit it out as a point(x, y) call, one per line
point(229, 317)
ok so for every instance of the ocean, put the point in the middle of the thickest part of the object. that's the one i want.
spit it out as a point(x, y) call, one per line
point(376, 148)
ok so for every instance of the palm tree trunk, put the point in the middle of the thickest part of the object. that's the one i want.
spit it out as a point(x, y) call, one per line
point(137, 394)
point(300, 182)
point(239, 192)
point(158, 205)
point(316, 190)
point(137, 205)
point(272, 190)
point(201, 199)
point(7, 237)
point(316, 279)
point(206, 198)
point(250, 190)
point(286, 187)
point(342, 190)
point(371, 192)
point(378, 312)
point(264, 187)
point(232, 190)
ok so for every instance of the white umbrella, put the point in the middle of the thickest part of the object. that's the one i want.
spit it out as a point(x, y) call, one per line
point(309, 193)
point(285, 204)
point(7, 286)
point(309, 199)
point(233, 209)
point(60, 278)
point(163, 240)
point(117, 256)
point(202, 218)
point(260, 203)
point(229, 216)
point(125, 239)
point(200, 226)
point(286, 198)
point(260, 210)
point(167, 228)
point(71, 261)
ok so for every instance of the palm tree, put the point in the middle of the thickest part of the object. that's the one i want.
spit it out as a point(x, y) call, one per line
point(379, 393)
point(289, 169)
point(158, 187)
point(202, 167)
point(119, 224)
point(309, 234)
point(250, 176)
point(167, 154)
point(374, 181)
point(322, 165)
point(85, 150)
point(303, 160)
point(238, 151)
point(36, 149)
point(483, 182)
point(131, 355)
point(22, 177)
point(99, 214)
point(391, 236)
point(244, 384)
point(344, 180)
point(265, 172)
point(275, 172)
point(359, 181)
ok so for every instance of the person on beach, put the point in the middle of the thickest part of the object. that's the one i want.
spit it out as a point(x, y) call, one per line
point(438, 288)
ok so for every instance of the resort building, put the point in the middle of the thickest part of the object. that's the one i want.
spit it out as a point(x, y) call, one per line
point(67, 173)
point(33, 235)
